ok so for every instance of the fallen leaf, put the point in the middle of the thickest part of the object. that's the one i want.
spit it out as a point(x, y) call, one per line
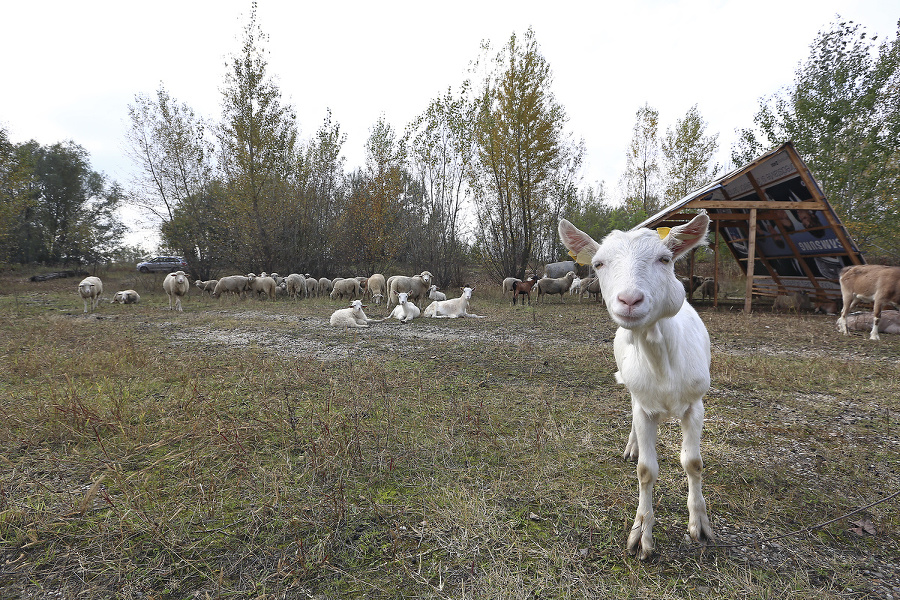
point(863, 526)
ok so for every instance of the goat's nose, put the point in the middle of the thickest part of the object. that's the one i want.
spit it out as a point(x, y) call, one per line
point(631, 299)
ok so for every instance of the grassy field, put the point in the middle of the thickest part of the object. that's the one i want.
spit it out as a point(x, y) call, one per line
point(249, 450)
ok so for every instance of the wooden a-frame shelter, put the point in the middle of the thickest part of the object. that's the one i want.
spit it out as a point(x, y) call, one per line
point(776, 222)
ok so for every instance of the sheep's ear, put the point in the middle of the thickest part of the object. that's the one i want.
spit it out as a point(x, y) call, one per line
point(684, 238)
point(582, 247)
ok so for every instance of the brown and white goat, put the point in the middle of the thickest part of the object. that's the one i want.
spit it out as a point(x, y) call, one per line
point(523, 288)
point(878, 284)
point(662, 351)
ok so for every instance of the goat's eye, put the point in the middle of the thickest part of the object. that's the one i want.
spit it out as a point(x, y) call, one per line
point(665, 260)
point(598, 264)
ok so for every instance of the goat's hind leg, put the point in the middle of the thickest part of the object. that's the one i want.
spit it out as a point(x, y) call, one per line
point(691, 426)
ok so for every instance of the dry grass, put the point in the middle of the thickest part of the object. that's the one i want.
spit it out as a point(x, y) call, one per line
point(246, 449)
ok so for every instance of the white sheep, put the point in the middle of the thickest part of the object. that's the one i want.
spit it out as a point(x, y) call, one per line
point(453, 308)
point(351, 317)
point(263, 284)
point(126, 297)
point(232, 284)
point(90, 289)
point(376, 287)
point(508, 285)
point(434, 294)
point(312, 286)
point(416, 287)
point(177, 286)
point(662, 352)
point(405, 311)
point(324, 286)
point(207, 286)
point(345, 287)
point(557, 285)
point(296, 285)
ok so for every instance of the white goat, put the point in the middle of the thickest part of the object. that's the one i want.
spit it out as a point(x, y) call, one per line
point(434, 294)
point(416, 287)
point(177, 286)
point(351, 317)
point(878, 284)
point(453, 308)
point(405, 311)
point(90, 289)
point(662, 352)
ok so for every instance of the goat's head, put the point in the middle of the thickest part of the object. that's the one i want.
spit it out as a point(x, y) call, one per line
point(402, 297)
point(636, 269)
point(467, 292)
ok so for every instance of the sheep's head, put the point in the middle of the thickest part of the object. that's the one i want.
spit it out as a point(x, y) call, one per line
point(636, 269)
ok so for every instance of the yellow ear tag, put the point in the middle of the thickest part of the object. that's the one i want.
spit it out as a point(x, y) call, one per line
point(582, 258)
point(663, 232)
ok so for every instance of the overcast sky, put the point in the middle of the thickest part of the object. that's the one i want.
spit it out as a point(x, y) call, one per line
point(70, 69)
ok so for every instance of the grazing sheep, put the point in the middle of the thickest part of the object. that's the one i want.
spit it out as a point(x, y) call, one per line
point(559, 285)
point(523, 288)
point(126, 297)
point(559, 269)
point(434, 294)
point(207, 286)
point(416, 287)
point(312, 286)
point(296, 285)
point(177, 286)
point(862, 321)
point(377, 287)
point(324, 286)
point(90, 289)
point(796, 302)
point(346, 287)
point(451, 309)
point(263, 285)
point(405, 311)
point(351, 317)
point(662, 352)
point(878, 284)
point(507, 285)
point(709, 289)
point(233, 284)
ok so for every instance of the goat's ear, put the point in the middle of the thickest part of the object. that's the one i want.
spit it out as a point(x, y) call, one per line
point(684, 238)
point(581, 246)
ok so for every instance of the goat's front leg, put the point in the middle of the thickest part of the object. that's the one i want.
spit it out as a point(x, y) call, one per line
point(691, 426)
point(644, 429)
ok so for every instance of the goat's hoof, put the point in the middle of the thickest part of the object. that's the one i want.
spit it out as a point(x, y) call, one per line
point(700, 530)
point(631, 452)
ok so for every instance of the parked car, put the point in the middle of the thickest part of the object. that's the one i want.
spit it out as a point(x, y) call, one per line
point(163, 263)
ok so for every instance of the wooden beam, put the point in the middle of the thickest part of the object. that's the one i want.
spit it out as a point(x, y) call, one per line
point(759, 204)
point(751, 262)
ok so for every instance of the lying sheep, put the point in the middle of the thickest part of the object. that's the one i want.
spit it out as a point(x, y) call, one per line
point(176, 286)
point(351, 317)
point(434, 294)
point(346, 287)
point(559, 285)
point(126, 297)
point(793, 302)
point(207, 286)
point(376, 287)
point(451, 309)
point(90, 289)
point(233, 284)
point(405, 311)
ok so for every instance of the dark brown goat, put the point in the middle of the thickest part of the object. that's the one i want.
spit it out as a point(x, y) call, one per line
point(524, 288)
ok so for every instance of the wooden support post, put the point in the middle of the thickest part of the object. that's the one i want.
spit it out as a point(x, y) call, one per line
point(751, 262)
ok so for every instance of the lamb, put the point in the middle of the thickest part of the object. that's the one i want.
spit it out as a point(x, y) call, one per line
point(324, 286)
point(232, 284)
point(351, 317)
point(792, 302)
point(559, 285)
point(416, 287)
point(523, 288)
point(296, 285)
point(377, 286)
point(207, 286)
point(559, 269)
point(662, 351)
point(405, 311)
point(878, 284)
point(507, 285)
point(434, 294)
point(710, 289)
point(177, 286)
point(576, 286)
point(451, 309)
point(90, 289)
point(346, 287)
point(126, 297)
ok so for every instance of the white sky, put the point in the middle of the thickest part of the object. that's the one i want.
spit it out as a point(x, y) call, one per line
point(70, 69)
